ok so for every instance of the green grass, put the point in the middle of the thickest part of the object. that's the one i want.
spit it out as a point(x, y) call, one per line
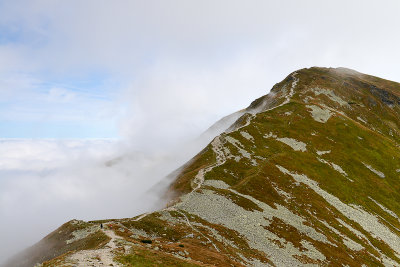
point(350, 142)
point(143, 258)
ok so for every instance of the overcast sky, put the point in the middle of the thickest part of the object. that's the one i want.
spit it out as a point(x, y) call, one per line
point(153, 70)
point(150, 76)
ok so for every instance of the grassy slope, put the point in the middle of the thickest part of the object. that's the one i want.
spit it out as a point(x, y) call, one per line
point(350, 141)
point(363, 129)
point(55, 245)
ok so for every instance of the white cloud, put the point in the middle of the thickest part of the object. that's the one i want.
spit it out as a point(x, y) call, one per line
point(191, 62)
point(45, 183)
point(170, 103)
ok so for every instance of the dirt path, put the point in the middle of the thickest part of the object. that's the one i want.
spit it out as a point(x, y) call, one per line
point(217, 147)
point(141, 216)
point(98, 257)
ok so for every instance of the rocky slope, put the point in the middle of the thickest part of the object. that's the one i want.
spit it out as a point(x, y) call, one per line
point(308, 175)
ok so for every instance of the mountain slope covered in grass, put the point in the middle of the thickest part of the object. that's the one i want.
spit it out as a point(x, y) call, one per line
point(309, 174)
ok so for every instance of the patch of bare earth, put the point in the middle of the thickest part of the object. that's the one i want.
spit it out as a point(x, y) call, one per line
point(99, 257)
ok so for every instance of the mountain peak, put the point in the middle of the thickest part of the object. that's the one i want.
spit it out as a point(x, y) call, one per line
point(307, 174)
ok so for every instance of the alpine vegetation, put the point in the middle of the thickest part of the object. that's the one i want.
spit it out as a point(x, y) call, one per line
point(307, 175)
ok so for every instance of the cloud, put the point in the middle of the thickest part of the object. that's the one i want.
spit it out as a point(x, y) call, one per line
point(33, 107)
point(172, 103)
point(212, 57)
point(125, 37)
point(45, 183)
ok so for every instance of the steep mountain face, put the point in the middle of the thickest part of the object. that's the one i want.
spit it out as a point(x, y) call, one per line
point(308, 175)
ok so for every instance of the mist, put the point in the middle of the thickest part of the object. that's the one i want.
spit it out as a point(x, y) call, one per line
point(45, 183)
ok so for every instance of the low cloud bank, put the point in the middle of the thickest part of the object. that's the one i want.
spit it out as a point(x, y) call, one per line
point(44, 183)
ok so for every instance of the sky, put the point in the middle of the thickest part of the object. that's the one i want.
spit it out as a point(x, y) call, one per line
point(83, 82)
point(145, 69)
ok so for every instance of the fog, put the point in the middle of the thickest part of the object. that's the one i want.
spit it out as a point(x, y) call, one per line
point(45, 183)
point(124, 87)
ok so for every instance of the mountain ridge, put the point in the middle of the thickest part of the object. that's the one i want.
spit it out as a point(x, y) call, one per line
point(309, 174)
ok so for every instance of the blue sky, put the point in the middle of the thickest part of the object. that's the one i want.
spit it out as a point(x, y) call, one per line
point(59, 107)
point(41, 103)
